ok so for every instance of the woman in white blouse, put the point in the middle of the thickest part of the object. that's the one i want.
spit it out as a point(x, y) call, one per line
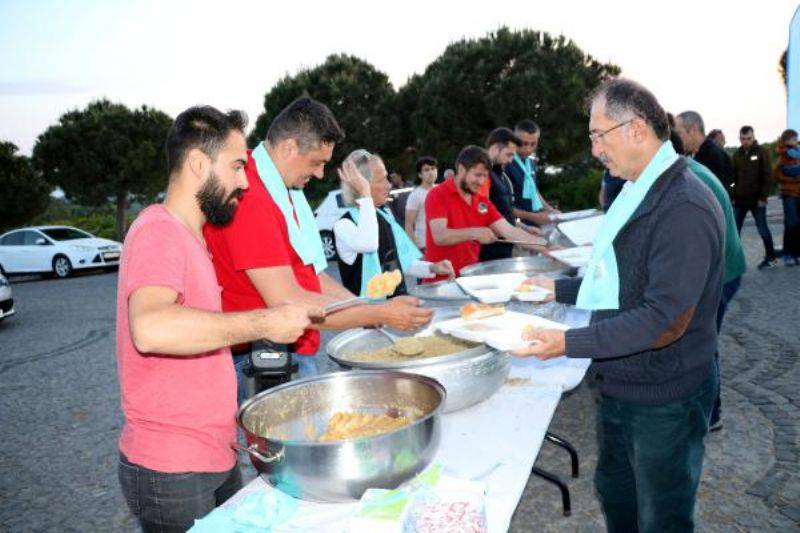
point(368, 239)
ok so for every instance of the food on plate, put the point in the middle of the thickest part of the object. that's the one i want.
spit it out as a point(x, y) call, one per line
point(529, 333)
point(429, 346)
point(476, 311)
point(408, 346)
point(517, 382)
point(349, 425)
point(479, 327)
point(384, 284)
point(525, 287)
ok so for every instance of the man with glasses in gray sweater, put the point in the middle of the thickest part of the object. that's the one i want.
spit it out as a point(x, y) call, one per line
point(653, 285)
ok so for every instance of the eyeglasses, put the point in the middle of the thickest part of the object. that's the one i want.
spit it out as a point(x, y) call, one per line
point(596, 137)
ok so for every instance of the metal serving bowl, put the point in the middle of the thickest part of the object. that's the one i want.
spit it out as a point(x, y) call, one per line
point(282, 426)
point(469, 376)
point(535, 264)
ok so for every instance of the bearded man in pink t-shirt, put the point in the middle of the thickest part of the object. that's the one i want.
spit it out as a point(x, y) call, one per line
point(177, 380)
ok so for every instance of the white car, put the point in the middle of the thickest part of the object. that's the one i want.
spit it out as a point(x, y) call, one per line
point(331, 209)
point(6, 299)
point(56, 249)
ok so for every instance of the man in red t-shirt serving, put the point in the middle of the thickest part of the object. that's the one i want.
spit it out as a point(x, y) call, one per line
point(177, 383)
point(271, 253)
point(460, 219)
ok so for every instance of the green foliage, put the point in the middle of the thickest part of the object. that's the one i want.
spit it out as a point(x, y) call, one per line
point(477, 85)
point(99, 221)
point(361, 98)
point(23, 194)
point(575, 187)
point(105, 153)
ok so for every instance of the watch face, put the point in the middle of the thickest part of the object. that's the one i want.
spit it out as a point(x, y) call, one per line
point(483, 208)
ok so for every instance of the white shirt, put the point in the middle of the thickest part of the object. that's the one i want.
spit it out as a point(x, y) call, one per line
point(416, 200)
point(362, 238)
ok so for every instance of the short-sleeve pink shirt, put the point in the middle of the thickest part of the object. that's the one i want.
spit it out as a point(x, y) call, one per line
point(179, 411)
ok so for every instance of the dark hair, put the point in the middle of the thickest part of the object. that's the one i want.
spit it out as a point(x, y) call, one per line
point(714, 133)
point(745, 130)
point(203, 127)
point(472, 156)
point(677, 143)
point(624, 98)
point(502, 136)
point(693, 118)
point(426, 160)
point(307, 121)
point(527, 125)
point(788, 135)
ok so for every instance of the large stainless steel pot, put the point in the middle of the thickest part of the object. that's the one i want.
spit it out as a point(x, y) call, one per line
point(535, 264)
point(469, 377)
point(282, 424)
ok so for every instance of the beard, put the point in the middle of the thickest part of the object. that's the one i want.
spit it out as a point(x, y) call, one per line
point(217, 208)
point(465, 188)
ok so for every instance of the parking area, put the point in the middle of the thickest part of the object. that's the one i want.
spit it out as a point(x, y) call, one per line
point(59, 406)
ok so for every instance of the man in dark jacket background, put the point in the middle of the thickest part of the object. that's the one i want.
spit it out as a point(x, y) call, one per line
point(752, 171)
point(704, 149)
point(654, 293)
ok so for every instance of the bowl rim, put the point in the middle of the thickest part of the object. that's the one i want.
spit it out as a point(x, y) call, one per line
point(346, 374)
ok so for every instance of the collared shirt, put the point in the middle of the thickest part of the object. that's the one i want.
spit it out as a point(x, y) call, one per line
point(445, 201)
point(257, 237)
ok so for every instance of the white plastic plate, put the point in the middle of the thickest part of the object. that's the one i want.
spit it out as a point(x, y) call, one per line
point(502, 332)
point(574, 215)
point(582, 231)
point(574, 257)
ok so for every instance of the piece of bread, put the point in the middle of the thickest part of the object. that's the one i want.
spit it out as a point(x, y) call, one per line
point(476, 311)
point(384, 284)
point(525, 287)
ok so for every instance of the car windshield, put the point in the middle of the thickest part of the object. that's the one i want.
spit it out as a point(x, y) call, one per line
point(65, 234)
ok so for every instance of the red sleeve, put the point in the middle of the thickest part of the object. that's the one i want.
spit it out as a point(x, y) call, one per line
point(156, 258)
point(434, 206)
point(255, 237)
point(492, 215)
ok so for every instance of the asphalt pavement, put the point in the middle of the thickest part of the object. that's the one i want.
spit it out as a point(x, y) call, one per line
point(60, 415)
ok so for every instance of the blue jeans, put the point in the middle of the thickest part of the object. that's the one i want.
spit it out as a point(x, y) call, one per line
point(650, 458)
point(306, 365)
point(760, 215)
point(167, 503)
point(791, 226)
point(729, 290)
point(241, 362)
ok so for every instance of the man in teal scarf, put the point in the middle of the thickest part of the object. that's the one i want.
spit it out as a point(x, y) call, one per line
point(369, 240)
point(271, 254)
point(529, 205)
point(653, 285)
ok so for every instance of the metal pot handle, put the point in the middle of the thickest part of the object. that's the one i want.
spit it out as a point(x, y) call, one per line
point(255, 452)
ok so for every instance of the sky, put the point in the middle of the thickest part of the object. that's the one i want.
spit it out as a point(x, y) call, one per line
point(719, 58)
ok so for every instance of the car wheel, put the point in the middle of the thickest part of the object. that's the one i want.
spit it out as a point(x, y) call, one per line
point(328, 245)
point(62, 268)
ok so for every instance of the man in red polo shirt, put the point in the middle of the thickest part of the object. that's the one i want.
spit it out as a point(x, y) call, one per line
point(460, 219)
point(271, 253)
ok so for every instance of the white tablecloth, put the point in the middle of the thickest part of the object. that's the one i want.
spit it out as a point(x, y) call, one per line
point(497, 440)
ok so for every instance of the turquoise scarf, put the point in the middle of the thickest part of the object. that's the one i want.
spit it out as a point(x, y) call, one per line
point(600, 286)
point(529, 191)
point(303, 232)
point(407, 251)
